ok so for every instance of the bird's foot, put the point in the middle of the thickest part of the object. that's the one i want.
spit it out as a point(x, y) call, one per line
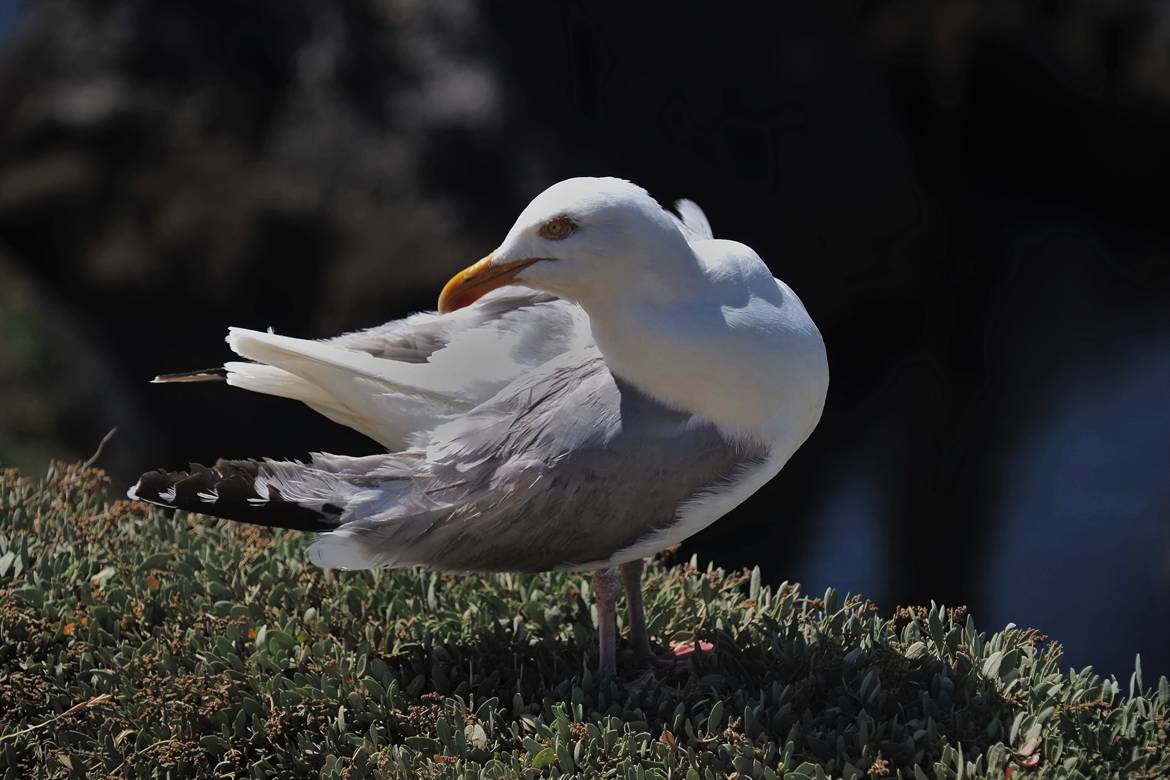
point(677, 656)
point(681, 651)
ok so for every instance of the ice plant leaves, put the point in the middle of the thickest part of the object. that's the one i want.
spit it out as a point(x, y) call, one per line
point(141, 644)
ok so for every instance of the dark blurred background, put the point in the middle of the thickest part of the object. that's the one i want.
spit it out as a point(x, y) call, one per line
point(972, 198)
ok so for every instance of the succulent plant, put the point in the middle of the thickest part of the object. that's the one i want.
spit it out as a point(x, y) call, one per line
point(138, 644)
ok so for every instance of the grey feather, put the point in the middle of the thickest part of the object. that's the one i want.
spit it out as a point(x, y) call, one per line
point(416, 338)
point(564, 467)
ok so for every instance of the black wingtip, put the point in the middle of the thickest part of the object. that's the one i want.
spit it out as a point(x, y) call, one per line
point(228, 490)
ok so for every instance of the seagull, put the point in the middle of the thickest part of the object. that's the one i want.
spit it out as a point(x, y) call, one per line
point(608, 382)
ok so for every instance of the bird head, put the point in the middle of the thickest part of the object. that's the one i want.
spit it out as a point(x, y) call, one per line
point(582, 239)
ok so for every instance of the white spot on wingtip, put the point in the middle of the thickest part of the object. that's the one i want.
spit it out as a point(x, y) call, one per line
point(132, 493)
point(168, 495)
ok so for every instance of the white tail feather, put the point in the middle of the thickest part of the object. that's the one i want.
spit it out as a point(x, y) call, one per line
point(325, 364)
point(271, 380)
point(351, 388)
point(340, 550)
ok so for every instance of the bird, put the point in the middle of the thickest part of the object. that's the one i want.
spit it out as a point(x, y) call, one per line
point(607, 382)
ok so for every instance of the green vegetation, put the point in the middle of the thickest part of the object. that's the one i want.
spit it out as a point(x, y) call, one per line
point(137, 644)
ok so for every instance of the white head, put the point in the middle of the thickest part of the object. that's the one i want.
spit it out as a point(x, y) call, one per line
point(703, 328)
point(585, 239)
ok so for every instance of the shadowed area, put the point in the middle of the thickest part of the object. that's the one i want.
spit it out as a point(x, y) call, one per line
point(234, 654)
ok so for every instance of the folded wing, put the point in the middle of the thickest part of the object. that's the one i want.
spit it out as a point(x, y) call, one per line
point(407, 376)
point(565, 467)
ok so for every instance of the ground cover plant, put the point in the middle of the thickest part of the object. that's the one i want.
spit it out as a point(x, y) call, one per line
point(138, 644)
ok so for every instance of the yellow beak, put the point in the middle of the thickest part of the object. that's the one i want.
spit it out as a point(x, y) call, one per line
point(472, 283)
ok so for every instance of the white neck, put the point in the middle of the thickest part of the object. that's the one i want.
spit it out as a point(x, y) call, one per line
point(757, 371)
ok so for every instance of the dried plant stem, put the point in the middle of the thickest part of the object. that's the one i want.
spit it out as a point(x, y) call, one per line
point(76, 708)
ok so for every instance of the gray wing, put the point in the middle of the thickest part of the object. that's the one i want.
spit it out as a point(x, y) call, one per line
point(416, 338)
point(562, 469)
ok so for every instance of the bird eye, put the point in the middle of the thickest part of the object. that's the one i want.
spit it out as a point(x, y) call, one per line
point(557, 228)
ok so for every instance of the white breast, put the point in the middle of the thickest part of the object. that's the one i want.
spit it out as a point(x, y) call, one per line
point(747, 357)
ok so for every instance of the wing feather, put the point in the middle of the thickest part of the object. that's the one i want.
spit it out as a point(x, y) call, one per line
point(692, 221)
point(407, 376)
point(564, 468)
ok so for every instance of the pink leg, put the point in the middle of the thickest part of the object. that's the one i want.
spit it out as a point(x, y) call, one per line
point(631, 574)
point(605, 588)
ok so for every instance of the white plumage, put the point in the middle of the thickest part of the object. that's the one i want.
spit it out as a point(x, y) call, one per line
point(610, 380)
